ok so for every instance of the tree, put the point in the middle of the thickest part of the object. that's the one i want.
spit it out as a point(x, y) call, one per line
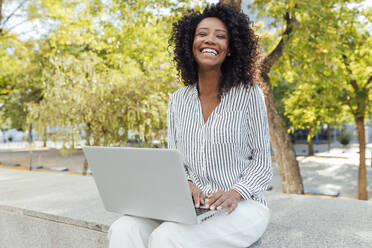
point(126, 63)
point(356, 54)
point(334, 53)
point(352, 72)
point(295, 35)
point(312, 104)
point(105, 69)
point(21, 61)
point(21, 82)
point(109, 76)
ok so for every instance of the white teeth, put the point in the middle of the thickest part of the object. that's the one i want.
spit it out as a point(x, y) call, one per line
point(210, 51)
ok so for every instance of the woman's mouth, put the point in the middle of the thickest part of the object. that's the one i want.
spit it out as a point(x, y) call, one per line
point(209, 51)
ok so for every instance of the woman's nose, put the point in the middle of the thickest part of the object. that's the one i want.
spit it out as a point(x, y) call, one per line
point(210, 39)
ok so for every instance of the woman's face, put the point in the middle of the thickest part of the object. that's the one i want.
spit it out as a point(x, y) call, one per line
point(211, 43)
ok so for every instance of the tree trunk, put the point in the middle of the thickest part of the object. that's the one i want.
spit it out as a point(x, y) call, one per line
point(310, 142)
point(284, 152)
point(88, 134)
point(87, 143)
point(72, 141)
point(362, 172)
point(85, 167)
point(329, 137)
point(30, 145)
point(29, 138)
point(45, 138)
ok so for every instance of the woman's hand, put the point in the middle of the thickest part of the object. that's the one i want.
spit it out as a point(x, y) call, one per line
point(222, 199)
point(197, 194)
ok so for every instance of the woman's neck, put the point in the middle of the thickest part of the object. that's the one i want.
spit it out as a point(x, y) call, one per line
point(208, 84)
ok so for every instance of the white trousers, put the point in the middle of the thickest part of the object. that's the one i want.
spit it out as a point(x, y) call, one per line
point(244, 226)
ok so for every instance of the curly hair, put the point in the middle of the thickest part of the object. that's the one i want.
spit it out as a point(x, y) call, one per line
point(240, 68)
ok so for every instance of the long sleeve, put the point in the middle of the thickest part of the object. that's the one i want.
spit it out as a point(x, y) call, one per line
point(257, 175)
point(172, 140)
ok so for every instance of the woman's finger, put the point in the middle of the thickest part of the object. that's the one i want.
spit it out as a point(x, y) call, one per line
point(202, 196)
point(218, 202)
point(196, 194)
point(214, 197)
point(192, 189)
point(225, 204)
point(232, 208)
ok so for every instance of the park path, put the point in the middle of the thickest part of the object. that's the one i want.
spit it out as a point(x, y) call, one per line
point(48, 158)
point(336, 170)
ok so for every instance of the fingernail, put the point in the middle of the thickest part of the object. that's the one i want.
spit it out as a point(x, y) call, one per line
point(197, 205)
point(207, 206)
point(219, 207)
point(212, 207)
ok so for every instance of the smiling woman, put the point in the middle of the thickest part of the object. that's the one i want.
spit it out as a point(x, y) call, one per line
point(219, 123)
point(211, 43)
point(234, 30)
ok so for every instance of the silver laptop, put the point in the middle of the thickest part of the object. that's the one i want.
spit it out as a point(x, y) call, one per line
point(144, 182)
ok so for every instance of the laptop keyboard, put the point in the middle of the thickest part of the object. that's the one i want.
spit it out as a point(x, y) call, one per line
point(200, 211)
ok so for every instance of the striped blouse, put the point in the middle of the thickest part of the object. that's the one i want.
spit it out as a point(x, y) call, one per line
point(231, 150)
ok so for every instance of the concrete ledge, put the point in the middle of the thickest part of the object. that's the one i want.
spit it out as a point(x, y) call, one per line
point(54, 218)
point(314, 221)
point(21, 230)
point(43, 209)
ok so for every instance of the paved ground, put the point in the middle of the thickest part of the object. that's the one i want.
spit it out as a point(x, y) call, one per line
point(336, 170)
point(46, 157)
point(327, 175)
point(296, 220)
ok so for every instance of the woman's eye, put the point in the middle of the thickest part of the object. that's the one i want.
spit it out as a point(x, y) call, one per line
point(221, 36)
point(202, 34)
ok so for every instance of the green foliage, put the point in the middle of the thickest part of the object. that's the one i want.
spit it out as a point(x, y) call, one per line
point(104, 68)
point(20, 80)
point(326, 53)
point(281, 92)
point(345, 137)
point(312, 104)
point(108, 76)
